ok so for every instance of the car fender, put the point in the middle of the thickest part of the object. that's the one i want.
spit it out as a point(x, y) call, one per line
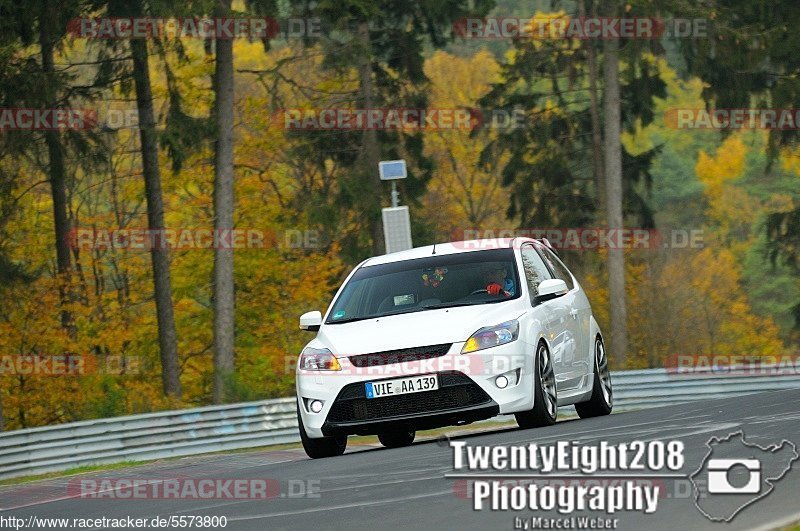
point(594, 331)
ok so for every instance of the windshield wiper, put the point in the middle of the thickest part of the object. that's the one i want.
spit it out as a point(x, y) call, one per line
point(363, 318)
point(448, 305)
point(349, 320)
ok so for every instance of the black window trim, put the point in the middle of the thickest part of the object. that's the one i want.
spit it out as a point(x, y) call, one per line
point(536, 301)
point(540, 249)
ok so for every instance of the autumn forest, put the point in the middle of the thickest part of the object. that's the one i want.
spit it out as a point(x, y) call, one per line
point(184, 136)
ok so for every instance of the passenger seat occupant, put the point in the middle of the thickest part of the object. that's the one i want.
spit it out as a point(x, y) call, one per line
point(497, 281)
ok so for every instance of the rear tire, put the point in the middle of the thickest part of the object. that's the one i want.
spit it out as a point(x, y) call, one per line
point(324, 447)
point(545, 398)
point(397, 438)
point(602, 399)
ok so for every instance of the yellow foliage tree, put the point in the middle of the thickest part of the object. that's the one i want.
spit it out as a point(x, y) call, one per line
point(462, 194)
point(727, 203)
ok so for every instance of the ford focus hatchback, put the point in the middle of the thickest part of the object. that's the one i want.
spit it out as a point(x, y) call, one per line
point(447, 335)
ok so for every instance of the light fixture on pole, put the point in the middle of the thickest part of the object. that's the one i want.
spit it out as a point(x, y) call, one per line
point(396, 220)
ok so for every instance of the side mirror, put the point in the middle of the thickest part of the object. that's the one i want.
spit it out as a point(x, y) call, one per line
point(551, 288)
point(311, 321)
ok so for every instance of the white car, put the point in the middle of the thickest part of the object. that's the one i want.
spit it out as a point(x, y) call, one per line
point(447, 335)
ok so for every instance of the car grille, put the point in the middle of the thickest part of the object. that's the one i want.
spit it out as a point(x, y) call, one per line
point(402, 355)
point(455, 391)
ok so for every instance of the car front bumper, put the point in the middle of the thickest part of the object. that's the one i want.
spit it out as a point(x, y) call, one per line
point(468, 392)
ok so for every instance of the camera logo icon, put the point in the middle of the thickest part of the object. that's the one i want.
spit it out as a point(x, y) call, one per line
point(720, 470)
point(736, 473)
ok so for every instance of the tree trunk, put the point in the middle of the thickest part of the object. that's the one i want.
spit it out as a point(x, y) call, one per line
point(159, 253)
point(56, 169)
point(613, 174)
point(223, 299)
point(371, 149)
point(594, 113)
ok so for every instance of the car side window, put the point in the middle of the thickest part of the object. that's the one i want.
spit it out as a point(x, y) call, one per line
point(557, 267)
point(535, 270)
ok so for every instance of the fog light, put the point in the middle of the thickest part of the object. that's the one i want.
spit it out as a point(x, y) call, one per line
point(501, 382)
point(315, 406)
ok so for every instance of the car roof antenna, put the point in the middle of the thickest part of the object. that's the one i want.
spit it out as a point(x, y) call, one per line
point(434, 249)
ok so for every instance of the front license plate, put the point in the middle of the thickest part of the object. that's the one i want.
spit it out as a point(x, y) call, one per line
point(402, 386)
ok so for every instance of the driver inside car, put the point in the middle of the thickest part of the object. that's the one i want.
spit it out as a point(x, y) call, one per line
point(496, 280)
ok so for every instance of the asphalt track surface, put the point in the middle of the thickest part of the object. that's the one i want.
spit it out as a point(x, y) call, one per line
point(375, 488)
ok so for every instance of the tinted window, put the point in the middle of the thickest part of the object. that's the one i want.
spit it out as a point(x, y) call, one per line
point(557, 267)
point(535, 270)
point(427, 283)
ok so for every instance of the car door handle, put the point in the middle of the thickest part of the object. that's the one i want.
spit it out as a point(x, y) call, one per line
point(574, 313)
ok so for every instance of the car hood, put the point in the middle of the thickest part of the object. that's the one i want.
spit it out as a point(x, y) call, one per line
point(419, 329)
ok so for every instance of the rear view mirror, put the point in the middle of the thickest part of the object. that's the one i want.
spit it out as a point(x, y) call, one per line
point(311, 321)
point(553, 287)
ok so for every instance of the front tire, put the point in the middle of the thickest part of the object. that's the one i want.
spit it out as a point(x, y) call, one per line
point(319, 448)
point(545, 399)
point(602, 399)
point(397, 438)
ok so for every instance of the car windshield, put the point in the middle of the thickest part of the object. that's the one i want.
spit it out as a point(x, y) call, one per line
point(470, 278)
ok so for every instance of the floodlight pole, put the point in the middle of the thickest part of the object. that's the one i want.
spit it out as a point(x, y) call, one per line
point(395, 195)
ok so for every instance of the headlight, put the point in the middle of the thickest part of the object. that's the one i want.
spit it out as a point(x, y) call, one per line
point(491, 336)
point(318, 359)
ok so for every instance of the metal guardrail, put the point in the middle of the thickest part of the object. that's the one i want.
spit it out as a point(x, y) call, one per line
point(657, 387)
point(269, 422)
point(148, 436)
